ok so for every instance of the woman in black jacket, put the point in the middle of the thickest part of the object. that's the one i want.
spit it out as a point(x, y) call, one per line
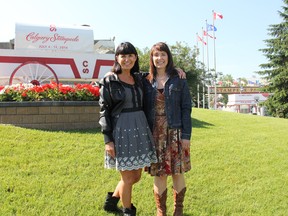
point(128, 139)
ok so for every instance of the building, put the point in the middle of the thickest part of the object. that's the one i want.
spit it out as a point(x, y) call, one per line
point(247, 103)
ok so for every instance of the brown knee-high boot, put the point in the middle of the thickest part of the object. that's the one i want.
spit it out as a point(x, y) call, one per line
point(178, 202)
point(161, 203)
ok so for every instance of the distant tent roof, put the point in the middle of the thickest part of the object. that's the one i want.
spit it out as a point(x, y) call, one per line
point(7, 45)
point(104, 46)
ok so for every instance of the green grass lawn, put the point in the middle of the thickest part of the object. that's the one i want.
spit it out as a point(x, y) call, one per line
point(240, 167)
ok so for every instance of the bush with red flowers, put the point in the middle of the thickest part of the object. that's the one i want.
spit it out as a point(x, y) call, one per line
point(49, 92)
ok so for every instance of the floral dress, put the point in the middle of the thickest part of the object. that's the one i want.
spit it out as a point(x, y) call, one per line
point(172, 159)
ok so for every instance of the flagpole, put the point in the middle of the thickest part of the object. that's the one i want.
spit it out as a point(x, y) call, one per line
point(215, 87)
point(198, 93)
point(203, 81)
point(208, 69)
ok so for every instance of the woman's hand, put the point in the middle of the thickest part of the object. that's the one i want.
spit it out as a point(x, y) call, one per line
point(185, 144)
point(181, 73)
point(108, 73)
point(110, 149)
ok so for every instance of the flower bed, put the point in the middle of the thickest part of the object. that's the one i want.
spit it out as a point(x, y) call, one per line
point(51, 106)
point(49, 92)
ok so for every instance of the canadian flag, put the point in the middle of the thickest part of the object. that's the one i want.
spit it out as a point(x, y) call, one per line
point(218, 16)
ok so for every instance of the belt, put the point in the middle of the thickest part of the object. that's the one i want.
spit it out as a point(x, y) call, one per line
point(134, 109)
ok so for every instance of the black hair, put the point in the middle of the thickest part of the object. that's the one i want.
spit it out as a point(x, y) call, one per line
point(123, 49)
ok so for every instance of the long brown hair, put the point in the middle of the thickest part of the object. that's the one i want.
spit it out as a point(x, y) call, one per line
point(170, 68)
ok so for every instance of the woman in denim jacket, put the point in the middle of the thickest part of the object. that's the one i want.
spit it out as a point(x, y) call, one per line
point(168, 106)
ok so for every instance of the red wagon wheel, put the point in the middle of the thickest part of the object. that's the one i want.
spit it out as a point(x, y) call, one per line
point(33, 72)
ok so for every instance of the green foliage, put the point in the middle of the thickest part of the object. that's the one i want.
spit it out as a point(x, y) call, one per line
point(185, 58)
point(227, 80)
point(276, 70)
point(239, 168)
point(144, 57)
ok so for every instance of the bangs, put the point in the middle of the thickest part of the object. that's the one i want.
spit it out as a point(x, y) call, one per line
point(160, 47)
point(126, 48)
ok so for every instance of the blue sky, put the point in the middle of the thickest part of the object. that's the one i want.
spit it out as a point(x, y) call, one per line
point(239, 34)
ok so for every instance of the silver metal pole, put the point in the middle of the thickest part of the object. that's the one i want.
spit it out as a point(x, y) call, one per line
point(198, 95)
point(215, 87)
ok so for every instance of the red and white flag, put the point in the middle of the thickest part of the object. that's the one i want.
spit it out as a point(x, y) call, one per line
point(218, 16)
point(200, 39)
point(206, 34)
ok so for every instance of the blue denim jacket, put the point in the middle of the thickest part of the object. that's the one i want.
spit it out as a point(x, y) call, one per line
point(178, 105)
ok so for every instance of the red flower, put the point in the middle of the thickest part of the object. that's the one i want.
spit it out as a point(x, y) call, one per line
point(24, 94)
point(51, 91)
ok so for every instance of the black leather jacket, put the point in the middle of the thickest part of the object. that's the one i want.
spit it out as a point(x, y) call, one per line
point(111, 101)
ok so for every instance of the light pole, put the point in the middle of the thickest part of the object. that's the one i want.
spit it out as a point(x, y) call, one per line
point(209, 84)
point(203, 79)
point(198, 96)
point(208, 87)
point(215, 92)
point(215, 87)
point(256, 98)
point(214, 77)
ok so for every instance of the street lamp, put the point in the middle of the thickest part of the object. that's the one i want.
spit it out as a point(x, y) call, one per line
point(215, 87)
point(209, 83)
point(256, 98)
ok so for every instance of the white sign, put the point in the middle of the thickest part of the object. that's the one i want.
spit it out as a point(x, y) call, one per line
point(239, 99)
point(53, 37)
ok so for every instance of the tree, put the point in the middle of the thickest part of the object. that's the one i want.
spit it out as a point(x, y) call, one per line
point(185, 58)
point(276, 70)
point(144, 57)
point(226, 80)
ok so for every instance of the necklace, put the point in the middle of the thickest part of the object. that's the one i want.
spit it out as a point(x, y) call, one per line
point(161, 78)
point(160, 81)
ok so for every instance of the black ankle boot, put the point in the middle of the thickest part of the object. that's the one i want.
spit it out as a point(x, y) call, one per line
point(110, 204)
point(129, 211)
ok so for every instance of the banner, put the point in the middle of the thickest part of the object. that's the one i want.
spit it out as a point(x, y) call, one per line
point(52, 37)
point(234, 90)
